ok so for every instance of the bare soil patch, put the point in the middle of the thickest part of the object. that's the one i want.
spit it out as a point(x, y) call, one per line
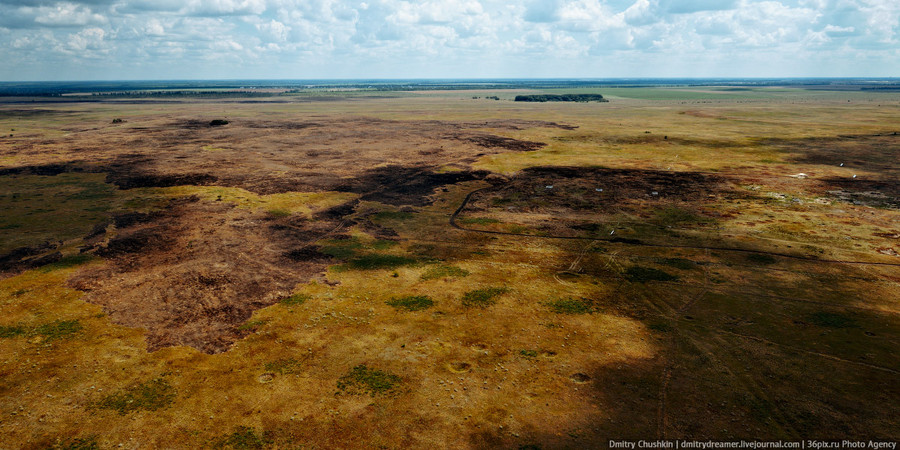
point(192, 274)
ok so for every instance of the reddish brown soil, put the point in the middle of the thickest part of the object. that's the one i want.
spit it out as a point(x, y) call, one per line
point(194, 273)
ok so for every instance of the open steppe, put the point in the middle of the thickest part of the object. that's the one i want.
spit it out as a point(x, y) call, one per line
point(440, 269)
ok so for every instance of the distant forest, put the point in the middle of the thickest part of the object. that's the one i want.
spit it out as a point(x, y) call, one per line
point(561, 98)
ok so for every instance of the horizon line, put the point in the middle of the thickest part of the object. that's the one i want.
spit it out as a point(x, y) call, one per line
point(724, 78)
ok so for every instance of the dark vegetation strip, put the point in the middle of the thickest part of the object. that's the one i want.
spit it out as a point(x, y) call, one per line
point(649, 244)
point(765, 268)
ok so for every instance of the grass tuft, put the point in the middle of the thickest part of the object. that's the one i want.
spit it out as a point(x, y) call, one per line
point(484, 297)
point(571, 306)
point(52, 331)
point(393, 215)
point(59, 329)
point(362, 379)
point(411, 303)
point(295, 299)
point(12, 331)
point(382, 244)
point(152, 395)
point(243, 438)
point(444, 272)
point(88, 443)
point(252, 325)
point(528, 353)
point(285, 366)
point(377, 261)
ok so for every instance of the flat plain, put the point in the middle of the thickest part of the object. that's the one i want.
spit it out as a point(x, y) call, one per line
point(442, 269)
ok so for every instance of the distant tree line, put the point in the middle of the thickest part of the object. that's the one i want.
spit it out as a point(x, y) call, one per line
point(184, 93)
point(561, 98)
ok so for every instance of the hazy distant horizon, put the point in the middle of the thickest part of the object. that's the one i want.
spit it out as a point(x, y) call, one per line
point(644, 79)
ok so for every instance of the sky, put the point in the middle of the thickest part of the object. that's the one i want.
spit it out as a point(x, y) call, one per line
point(347, 39)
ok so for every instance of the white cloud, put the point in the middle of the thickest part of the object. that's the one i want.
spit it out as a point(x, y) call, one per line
point(274, 30)
point(87, 43)
point(65, 15)
point(409, 38)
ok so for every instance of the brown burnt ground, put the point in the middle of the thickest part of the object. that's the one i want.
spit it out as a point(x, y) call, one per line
point(546, 189)
point(405, 185)
point(875, 153)
point(267, 156)
point(491, 141)
point(22, 258)
point(192, 274)
point(873, 157)
point(569, 201)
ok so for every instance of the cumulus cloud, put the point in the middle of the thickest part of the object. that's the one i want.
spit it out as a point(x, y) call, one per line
point(65, 15)
point(87, 39)
point(450, 38)
point(274, 31)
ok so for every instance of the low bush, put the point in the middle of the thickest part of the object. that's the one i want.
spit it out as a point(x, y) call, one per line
point(411, 303)
point(482, 298)
point(152, 395)
point(363, 380)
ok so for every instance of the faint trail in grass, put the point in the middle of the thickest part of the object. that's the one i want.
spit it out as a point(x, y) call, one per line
point(662, 416)
point(810, 352)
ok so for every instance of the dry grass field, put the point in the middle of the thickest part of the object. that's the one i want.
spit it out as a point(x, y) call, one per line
point(429, 269)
